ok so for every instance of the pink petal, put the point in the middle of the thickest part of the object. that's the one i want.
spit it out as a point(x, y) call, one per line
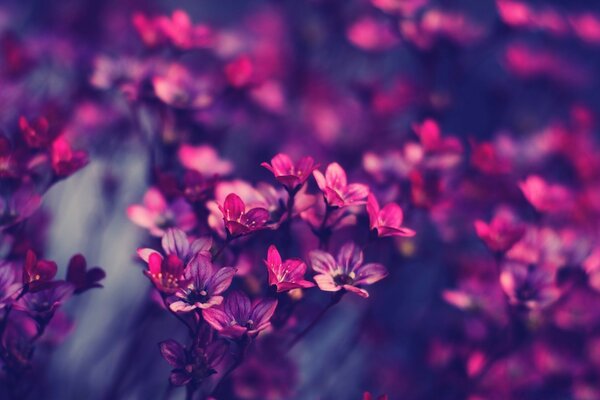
point(361, 292)
point(373, 210)
point(336, 176)
point(273, 257)
point(320, 179)
point(221, 280)
point(255, 218)
point(144, 254)
point(233, 208)
point(391, 215)
point(155, 263)
point(282, 164)
point(216, 317)
point(181, 306)
point(370, 273)
point(350, 257)
point(355, 193)
point(175, 241)
point(155, 201)
point(326, 283)
point(322, 262)
point(139, 215)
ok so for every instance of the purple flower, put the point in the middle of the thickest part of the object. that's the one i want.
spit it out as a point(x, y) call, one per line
point(176, 242)
point(205, 283)
point(288, 274)
point(347, 272)
point(42, 304)
point(387, 220)
point(38, 274)
point(157, 215)
point(238, 316)
point(191, 365)
point(80, 277)
point(289, 175)
point(335, 187)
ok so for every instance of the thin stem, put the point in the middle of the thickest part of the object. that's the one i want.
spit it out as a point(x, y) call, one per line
point(191, 330)
point(334, 300)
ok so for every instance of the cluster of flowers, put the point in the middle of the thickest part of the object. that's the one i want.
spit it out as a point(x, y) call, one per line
point(192, 286)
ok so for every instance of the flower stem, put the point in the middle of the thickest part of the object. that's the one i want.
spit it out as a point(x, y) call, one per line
point(245, 341)
point(334, 300)
point(191, 330)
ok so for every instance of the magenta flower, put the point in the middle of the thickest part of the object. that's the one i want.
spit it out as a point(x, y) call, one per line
point(191, 366)
point(288, 274)
point(203, 159)
point(289, 175)
point(157, 215)
point(347, 272)
point(388, 220)
point(238, 220)
point(38, 274)
point(237, 316)
point(176, 242)
point(36, 133)
point(502, 232)
point(81, 278)
point(335, 187)
point(165, 273)
point(66, 161)
point(205, 283)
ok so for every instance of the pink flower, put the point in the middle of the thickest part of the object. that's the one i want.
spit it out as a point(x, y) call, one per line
point(38, 274)
point(546, 197)
point(205, 283)
point(336, 189)
point(238, 220)
point(289, 175)
point(65, 161)
point(237, 316)
point(165, 273)
point(502, 232)
point(371, 34)
point(203, 159)
point(179, 88)
point(388, 220)
point(156, 214)
point(239, 72)
point(347, 272)
point(288, 274)
point(36, 134)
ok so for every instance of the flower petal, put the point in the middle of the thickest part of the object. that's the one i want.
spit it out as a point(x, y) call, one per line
point(322, 262)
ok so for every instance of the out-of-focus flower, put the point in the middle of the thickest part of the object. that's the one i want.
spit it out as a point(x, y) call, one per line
point(157, 215)
point(205, 283)
point(65, 161)
point(335, 187)
point(347, 272)
point(369, 396)
point(528, 285)
point(177, 30)
point(179, 88)
point(288, 274)
point(36, 134)
point(441, 152)
point(9, 283)
point(42, 304)
point(238, 316)
point(203, 159)
point(388, 220)
point(289, 175)
point(38, 274)
point(239, 72)
point(191, 365)
point(370, 34)
point(81, 278)
point(238, 220)
point(503, 231)
point(546, 197)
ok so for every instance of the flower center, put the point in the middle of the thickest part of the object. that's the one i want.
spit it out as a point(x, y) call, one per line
point(343, 279)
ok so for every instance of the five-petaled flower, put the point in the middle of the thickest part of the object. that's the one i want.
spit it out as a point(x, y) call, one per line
point(291, 175)
point(238, 316)
point(387, 220)
point(194, 365)
point(335, 187)
point(347, 272)
point(204, 285)
point(288, 274)
point(238, 220)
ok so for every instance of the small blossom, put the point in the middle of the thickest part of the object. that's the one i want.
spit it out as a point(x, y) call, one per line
point(176, 242)
point(348, 272)
point(36, 134)
point(203, 159)
point(289, 175)
point(179, 88)
point(502, 232)
point(388, 220)
point(238, 220)
point(157, 215)
point(528, 285)
point(237, 316)
point(66, 161)
point(336, 189)
point(205, 283)
point(42, 304)
point(38, 274)
point(288, 274)
point(166, 273)
point(239, 72)
point(191, 366)
point(81, 278)
point(546, 197)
